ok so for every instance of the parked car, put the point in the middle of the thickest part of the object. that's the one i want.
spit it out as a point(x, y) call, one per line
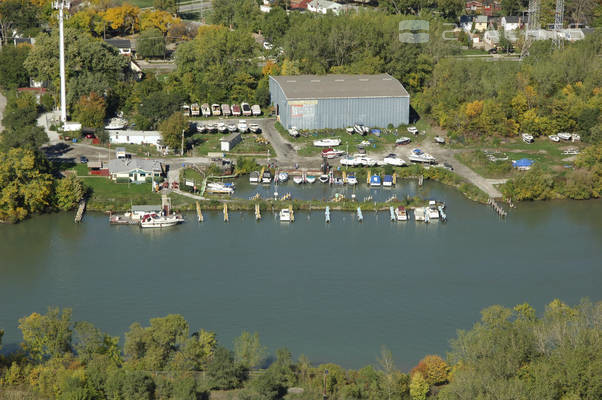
point(83, 159)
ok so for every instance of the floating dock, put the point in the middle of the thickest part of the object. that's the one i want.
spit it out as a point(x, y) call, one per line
point(392, 212)
point(360, 217)
point(290, 210)
point(442, 213)
point(199, 212)
point(327, 214)
point(420, 180)
point(257, 212)
point(226, 219)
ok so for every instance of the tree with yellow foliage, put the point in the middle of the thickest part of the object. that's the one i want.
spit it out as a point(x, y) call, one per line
point(123, 18)
point(159, 19)
point(46, 335)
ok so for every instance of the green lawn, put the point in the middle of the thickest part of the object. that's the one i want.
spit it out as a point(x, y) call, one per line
point(138, 3)
point(108, 195)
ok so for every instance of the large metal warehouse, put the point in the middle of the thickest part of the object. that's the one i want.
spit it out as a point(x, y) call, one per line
point(339, 101)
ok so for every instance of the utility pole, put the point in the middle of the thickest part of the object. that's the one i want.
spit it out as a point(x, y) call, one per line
point(61, 5)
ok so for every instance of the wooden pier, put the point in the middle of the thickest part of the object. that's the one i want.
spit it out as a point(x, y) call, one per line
point(420, 180)
point(257, 212)
point(497, 208)
point(199, 213)
point(81, 208)
point(226, 219)
point(395, 178)
point(290, 210)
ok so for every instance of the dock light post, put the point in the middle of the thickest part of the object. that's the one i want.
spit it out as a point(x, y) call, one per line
point(182, 147)
point(324, 396)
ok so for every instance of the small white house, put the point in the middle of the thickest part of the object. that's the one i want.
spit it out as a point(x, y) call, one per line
point(323, 6)
point(510, 23)
point(135, 169)
point(135, 137)
point(492, 38)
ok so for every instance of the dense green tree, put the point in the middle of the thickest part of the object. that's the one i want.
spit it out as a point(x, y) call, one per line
point(68, 191)
point(274, 24)
point(16, 15)
point(47, 335)
point(21, 111)
point(173, 130)
point(151, 43)
point(12, 73)
point(90, 111)
point(167, 5)
point(29, 137)
point(248, 351)
point(156, 107)
point(223, 372)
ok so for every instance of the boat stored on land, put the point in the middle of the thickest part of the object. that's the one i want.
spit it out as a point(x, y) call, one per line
point(201, 128)
point(211, 128)
point(554, 138)
point(359, 129)
point(418, 155)
point(527, 138)
point(116, 124)
point(222, 128)
point(256, 110)
point(413, 130)
point(439, 139)
point(393, 160)
point(350, 130)
point(246, 109)
point(293, 132)
point(235, 109)
point(332, 153)
point(349, 161)
point(226, 110)
point(216, 110)
point(564, 136)
point(205, 110)
point(327, 142)
point(232, 128)
point(403, 140)
point(195, 110)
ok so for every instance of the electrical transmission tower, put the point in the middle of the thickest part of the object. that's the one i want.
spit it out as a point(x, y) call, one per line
point(531, 28)
point(558, 39)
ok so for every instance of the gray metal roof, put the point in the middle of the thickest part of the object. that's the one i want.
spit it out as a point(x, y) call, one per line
point(307, 87)
point(127, 165)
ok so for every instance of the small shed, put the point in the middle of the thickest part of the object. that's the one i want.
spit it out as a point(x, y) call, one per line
point(230, 141)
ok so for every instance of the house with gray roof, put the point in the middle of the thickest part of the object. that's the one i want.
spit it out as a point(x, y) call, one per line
point(137, 170)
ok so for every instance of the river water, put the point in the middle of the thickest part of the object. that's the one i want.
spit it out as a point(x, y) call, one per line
point(334, 292)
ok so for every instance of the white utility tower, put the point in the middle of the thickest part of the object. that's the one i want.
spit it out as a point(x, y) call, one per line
point(61, 5)
point(531, 28)
point(558, 39)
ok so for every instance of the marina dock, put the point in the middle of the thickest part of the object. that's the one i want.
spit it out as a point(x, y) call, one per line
point(257, 212)
point(290, 210)
point(497, 208)
point(360, 217)
point(226, 219)
point(392, 212)
point(81, 208)
point(327, 214)
point(199, 212)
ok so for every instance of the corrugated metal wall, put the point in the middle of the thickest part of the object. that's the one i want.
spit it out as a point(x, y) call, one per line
point(340, 113)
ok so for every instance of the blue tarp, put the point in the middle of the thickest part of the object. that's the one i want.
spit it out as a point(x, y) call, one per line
point(388, 178)
point(523, 162)
point(375, 179)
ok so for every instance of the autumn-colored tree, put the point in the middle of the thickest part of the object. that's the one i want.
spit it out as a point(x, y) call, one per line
point(433, 369)
point(123, 18)
point(46, 335)
point(159, 19)
point(270, 68)
point(419, 388)
point(68, 192)
point(289, 67)
point(90, 110)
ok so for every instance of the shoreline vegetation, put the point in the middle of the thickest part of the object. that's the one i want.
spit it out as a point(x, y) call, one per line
point(554, 356)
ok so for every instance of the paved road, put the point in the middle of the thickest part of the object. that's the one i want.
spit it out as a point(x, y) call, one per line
point(2, 106)
point(286, 154)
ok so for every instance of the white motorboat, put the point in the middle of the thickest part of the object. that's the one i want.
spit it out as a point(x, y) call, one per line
point(327, 142)
point(418, 155)
point(324, 178)
point(433, 212)
point(195, 110)
point(232, 128)
point(205, 110)
point(554, 138)
point(242, 126)
point(160, 221)
point(220, 188)
point(351, 179)
point(246, 109)
point(282, 176)
point(267, 177)
point(366, 130)
point(293, 132)
point(201, 128)
point(256, 110)
point(439, 140)
point(413, 130)
point(365, 143)
point(575, 137)
point(310, 179)
point(298, 179)
point(350, 130)
point(332, 153)
point(401, 214)
point(216, 109)
point(564, 136)
point(222, 128)
point(571, 152)
point(366, 161)
point(403, 140)
point(359, 129)
point(285, 215)
point(349, 161)
point(116, 123)
point(226, 110)
point(527, 138)
point(254, 177)
point(393, 160)
point(254, 128)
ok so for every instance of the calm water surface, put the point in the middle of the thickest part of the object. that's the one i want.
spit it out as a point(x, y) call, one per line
point(333, 292)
